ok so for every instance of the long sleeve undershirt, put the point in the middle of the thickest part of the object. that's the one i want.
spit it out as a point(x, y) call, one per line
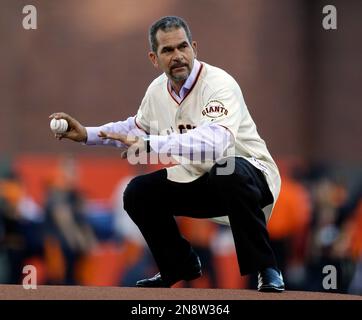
point(208, 140)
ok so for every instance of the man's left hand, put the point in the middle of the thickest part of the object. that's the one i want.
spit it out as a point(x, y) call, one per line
point(138, 144)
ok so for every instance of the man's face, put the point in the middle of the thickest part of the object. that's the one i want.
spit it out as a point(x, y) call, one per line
point(175, 54)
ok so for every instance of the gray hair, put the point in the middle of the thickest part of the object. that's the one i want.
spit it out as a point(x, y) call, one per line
point(166, 24)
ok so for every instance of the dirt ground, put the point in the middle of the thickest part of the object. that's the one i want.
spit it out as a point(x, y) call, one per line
point(17, 292)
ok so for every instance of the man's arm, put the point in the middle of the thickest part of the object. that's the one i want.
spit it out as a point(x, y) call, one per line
point(127, 127)
point(205, 142)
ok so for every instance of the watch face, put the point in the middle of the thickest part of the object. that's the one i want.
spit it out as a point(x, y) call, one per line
point(148, 146)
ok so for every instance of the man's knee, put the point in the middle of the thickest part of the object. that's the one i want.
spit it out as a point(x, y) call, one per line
point(142, 192)
point(131, 195)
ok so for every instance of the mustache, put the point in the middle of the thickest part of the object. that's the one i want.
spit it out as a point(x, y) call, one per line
point(178, 65)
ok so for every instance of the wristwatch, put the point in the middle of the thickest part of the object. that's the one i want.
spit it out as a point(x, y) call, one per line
point(146, 139)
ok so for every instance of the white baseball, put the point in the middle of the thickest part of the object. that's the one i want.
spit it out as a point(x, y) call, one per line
point(59, 125)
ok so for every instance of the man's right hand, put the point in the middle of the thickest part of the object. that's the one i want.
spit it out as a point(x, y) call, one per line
point(75, 132)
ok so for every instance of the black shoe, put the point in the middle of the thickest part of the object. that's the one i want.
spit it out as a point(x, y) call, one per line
point(156, 281)
point(270, 280)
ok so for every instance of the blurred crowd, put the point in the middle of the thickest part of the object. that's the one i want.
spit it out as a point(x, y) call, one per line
point(73, 240)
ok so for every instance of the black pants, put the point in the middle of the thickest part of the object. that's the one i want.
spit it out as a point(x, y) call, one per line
point(152, 201)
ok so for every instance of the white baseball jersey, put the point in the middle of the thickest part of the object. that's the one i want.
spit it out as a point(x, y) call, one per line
point(215, 98)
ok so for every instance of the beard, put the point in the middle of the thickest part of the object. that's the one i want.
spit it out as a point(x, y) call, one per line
point(180, 76)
